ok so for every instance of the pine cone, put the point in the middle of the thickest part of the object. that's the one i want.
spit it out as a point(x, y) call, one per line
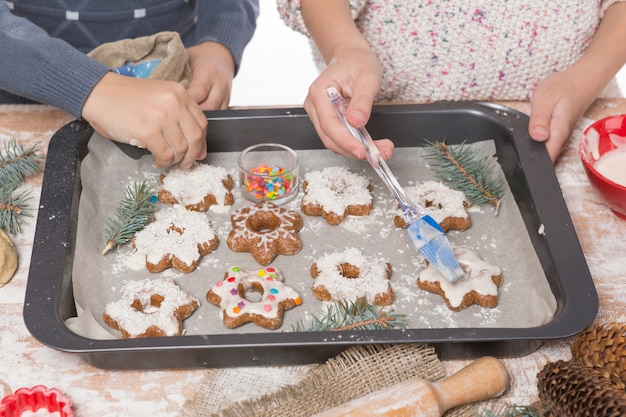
point(603, 347)
point(572, 389)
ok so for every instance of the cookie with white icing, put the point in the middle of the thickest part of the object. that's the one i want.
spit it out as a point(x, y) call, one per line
point(150, 308)
point(447, 206)
point(237, 308)
point(266, 231)
point(197, 188)
point(351, 276)
point(479, 286)
point(177, 238)
point(335, 193)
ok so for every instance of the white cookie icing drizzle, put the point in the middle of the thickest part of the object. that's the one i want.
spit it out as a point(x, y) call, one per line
point(164, 316)
point(336, 188)
point(190, 186)
point(176, 232)
point(373, 276)
point(478, 277)
point(268, 282)
point(284, 224)
point(437, 199)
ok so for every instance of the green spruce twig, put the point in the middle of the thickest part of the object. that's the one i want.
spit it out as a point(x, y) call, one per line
point(16, 164)
point(467, 171)
point(518, 411)
point(13, 208)
point(133, 213)
point(344, 315)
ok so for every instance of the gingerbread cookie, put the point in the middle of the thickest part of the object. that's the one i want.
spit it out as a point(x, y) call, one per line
point(445, 205)
point(177, 238)
point(265, 230)
point(8, 258)
point(479, 286)
point(335, 193)
point(197, 188)
point(149, 308)
point(237, 309)
point(352, 276)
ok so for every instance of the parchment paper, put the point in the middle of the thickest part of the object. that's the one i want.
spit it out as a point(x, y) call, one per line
point(525, 299)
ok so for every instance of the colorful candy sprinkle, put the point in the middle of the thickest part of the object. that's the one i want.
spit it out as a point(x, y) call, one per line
point(269, 182)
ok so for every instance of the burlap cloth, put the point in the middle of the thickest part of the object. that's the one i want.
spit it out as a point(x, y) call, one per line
point(301, 391)
point(166, 46)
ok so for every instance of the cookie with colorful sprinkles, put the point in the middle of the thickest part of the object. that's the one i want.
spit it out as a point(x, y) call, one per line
point(335, 193)
point(198, 187)
point(232, 295)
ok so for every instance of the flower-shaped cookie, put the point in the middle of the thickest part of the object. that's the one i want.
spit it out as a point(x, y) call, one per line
point(266, 311)
point(177, 238)
point(265, 230)
point(149, 308)
point(351, 276)
point(442, 203)
point(197, 188)
point(334, 193)
point(479, 286)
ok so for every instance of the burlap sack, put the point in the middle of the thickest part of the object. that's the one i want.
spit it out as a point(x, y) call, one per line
point(164, 45)
point(354, 373)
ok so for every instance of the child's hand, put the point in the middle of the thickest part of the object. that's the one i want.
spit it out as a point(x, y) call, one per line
point(356, 74)
point(158, 115)
point(557, 104)
point(213, 70)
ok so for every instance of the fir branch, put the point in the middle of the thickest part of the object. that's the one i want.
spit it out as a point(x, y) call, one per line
point(13, 209)
point(519, 411)
point(467, 171)
point(359, 315)
point(16, 163)
point(133, 213)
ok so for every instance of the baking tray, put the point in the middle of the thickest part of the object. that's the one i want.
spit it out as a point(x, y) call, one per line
point(49, 300)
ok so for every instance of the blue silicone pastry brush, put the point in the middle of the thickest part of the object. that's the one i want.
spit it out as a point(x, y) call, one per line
point(425, 233)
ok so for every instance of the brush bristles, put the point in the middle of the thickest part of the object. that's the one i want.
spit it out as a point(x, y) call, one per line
point(428, 237)
point(439, 253)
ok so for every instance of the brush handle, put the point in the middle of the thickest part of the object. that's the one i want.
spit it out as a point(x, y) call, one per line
point(372, 154)
point(484, 378)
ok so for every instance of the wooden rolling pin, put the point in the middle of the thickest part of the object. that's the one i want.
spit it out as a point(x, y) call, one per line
point(484, 378)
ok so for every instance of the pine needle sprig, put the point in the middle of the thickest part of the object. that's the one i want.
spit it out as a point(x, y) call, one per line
point(467, 171)
point(519, 411)
point(13, 208)
point(17, 163)
point(133, 213)
point(344, 315)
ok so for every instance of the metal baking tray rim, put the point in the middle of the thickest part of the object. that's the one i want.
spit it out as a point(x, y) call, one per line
point(48, 293)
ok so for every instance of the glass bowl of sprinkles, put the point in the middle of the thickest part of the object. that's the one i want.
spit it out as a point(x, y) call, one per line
point(268, 171)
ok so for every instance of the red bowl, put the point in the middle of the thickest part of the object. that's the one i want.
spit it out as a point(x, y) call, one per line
point(36, 398)
point(605, 137)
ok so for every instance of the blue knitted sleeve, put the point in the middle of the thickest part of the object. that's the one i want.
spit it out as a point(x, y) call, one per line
point(42, 68)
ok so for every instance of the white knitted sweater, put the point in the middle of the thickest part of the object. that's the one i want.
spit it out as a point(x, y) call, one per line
point(453, 50)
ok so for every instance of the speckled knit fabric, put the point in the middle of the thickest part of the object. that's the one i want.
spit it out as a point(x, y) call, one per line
point(453, 50)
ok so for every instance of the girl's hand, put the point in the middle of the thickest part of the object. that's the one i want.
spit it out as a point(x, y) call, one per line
point(356, 74)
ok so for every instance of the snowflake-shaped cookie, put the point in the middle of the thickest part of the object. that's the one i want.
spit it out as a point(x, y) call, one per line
point(265, 230)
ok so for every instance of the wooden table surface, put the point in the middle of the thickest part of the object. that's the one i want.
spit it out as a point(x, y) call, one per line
point(25, 362)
